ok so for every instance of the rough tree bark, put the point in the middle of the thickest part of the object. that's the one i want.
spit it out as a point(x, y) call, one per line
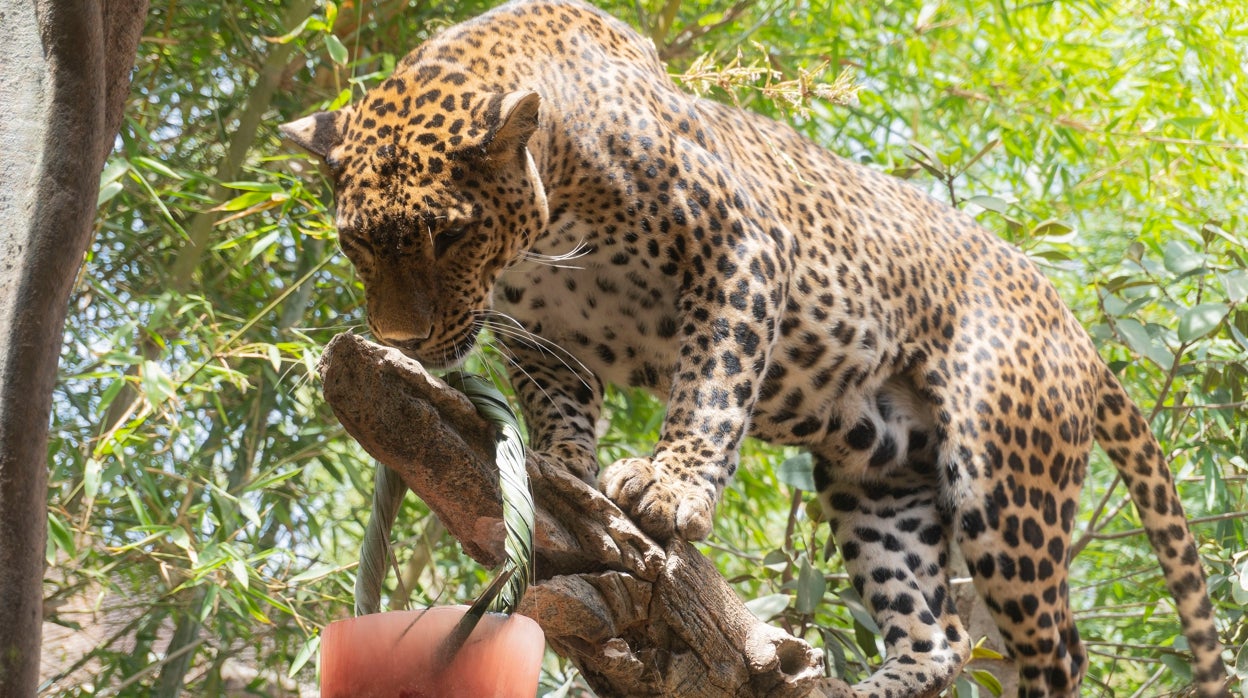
point(63, 82)
point(636, 618)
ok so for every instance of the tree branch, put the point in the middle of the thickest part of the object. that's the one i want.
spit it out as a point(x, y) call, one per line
point(637, 619)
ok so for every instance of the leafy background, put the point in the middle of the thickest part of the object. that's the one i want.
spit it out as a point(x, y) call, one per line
point(205, 509)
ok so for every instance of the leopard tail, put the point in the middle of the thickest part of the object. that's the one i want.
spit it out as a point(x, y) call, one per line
point(1124, 433)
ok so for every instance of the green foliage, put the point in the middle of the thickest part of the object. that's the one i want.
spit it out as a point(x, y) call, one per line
point(198, 482)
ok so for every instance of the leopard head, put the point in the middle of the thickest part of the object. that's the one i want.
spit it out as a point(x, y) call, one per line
point(436, 195)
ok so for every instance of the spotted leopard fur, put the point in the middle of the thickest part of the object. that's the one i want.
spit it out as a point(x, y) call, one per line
point(762, 286)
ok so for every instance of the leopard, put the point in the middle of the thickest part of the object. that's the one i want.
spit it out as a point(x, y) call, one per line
point(536, 171)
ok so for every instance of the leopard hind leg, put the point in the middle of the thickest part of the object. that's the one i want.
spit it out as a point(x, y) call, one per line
point(893, 539)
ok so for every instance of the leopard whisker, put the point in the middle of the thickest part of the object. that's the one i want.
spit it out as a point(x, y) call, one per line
point(527, 340)
point(558, 260)
point(516, 331)
point(510, 358)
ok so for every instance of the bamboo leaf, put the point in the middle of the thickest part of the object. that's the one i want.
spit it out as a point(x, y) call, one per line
point(155, 166)
point(248, 511)
point(91, 478)
point(157, 385)
point(243, 201)
point(238, 568)
point(982, 652)
point(337, 51)
point(107, 192)
point(306, 652)
point(275, 356)
point(988, 681)
point(292, 34)
point(61, 534)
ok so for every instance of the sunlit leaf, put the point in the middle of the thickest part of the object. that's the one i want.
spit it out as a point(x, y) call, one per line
point(243, 201)
point(292, 34)
point(982, 652)
point(91, 478)
point(1181, 258)
point(275, 356)
point(238, 568)
point(306, 652)
point(312, 573)
point(248, 511)
point(1138, 338)
point(1051, 228)
point(810, 588)
point(337, 51)
point(769, 606)
point(156, 166)
point(991, 203)
point(262, 245)
point(1236, 284)
point(61, 534)
point(107, 192)
point(988, 681)
point(343, 99)
point(1199, 321)
point(157, 384)
point(776, 560)
point(798, 472)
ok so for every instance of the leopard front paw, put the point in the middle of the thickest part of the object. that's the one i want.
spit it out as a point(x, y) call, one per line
point(665, 501)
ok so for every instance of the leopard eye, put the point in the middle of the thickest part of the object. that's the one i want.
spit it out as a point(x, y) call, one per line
point(445, 238)
point(355, 248)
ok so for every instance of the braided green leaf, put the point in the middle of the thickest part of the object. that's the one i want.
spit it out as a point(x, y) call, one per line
point(507, 588)
point(513, 483)
point(388, 491)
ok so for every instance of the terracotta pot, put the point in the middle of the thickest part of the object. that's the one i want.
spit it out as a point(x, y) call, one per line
point(396, 655)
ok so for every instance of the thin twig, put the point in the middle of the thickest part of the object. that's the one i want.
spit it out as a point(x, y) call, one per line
point(135, 677)
point(1213, 406)
point(1213, 518)
point(1151, 680)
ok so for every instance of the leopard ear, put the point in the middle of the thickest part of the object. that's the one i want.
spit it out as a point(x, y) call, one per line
point(318, 133)
point(515, 123)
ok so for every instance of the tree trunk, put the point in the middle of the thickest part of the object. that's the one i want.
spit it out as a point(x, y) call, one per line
point(637, 619)
point(64, 82)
